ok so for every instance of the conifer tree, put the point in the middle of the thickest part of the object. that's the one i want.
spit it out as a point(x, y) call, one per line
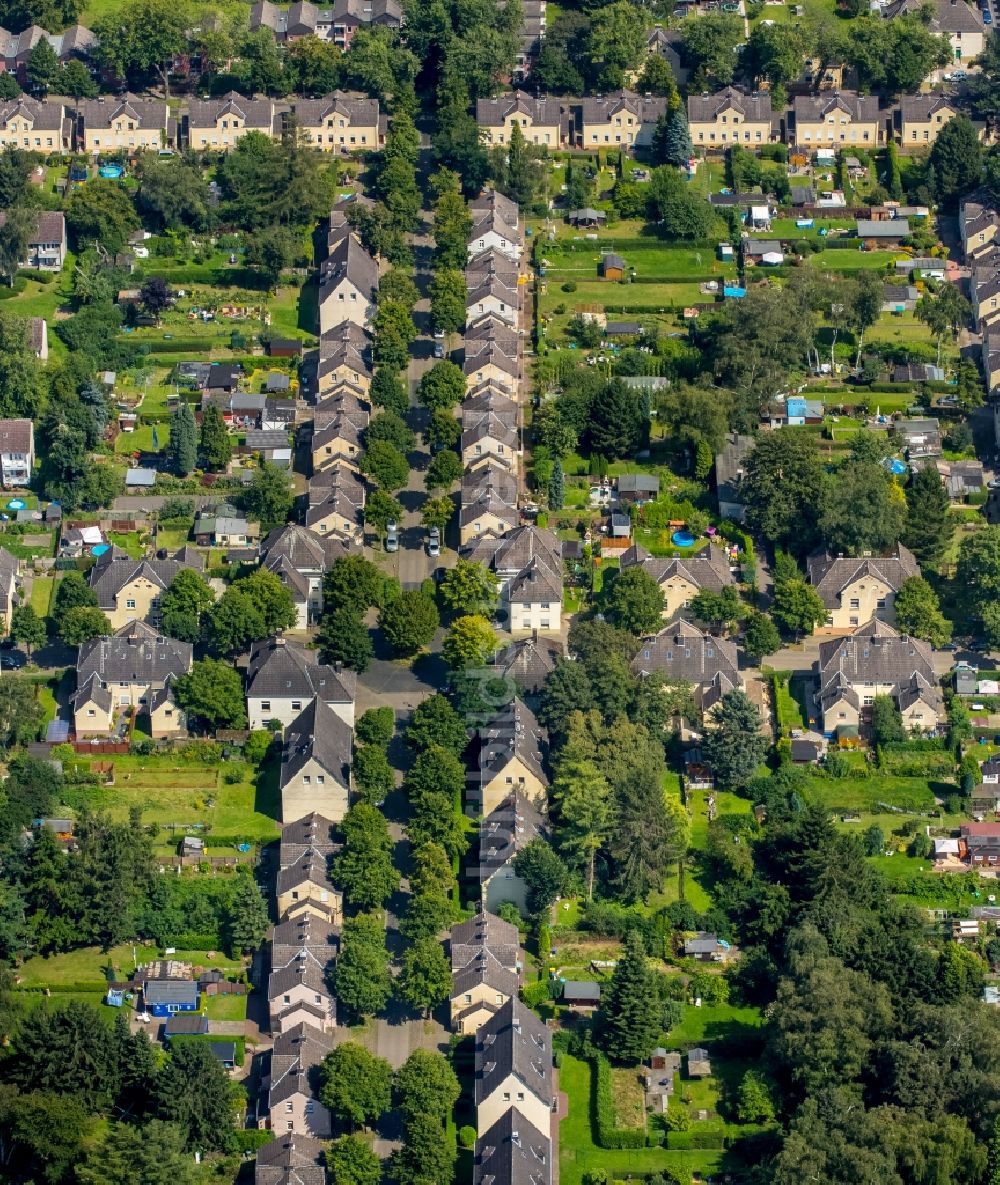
point(182, 448)
point(631, 1006)
point(677, 146)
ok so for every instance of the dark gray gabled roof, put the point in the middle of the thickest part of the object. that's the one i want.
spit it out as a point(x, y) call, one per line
point(312, 834)
point(877, 654)
point(289, 671)
point(318, 734)
point(536, 582)
point(483, 968)
point(485, 931)
point(291, 1159)
point(170, 991)
point(830, 575)
point(349, 261)
point(305, 551)
point(514, 732)
point(529, 660)
point(109, 576)
point(304, 937)
point(682, 651)
point(493, 480)
point(506, 830)
point(707, 569)
point(300, 972)
point(754, 108)
point(514, 1042)
point(295, 1057)
point(135, 654)
point(513, 1152)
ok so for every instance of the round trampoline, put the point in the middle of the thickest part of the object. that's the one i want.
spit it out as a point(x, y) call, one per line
point(16, 504)
point(99, 549)
point(682, 539)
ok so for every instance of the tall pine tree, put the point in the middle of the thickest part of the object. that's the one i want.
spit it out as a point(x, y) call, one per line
point(557, 486)
point(182, 448)
point(928, 525)
point(631, 1006)
point(677, 146)
point(216, 447)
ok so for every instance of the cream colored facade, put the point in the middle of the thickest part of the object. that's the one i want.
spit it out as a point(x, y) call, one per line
point(471, 1009)
point(338, 133)
point(35, 127)
point(838, 127)
point(129, 126)
point(920, 714)
point(313, 790)
point(339, 450)
point(302, 1114)
point(543, 133)
point(490, 372)
point(512, 1092)
point(678, 591)
point(529, 617)
point(138, 600)
point(297, 1006)
point(916, 133)
point(487, 448)
point(166, 720)
point(91, 718)
point(485, 524)
point(730, 126)
point(515, 775)
point(361, 380)
point(860, 601)
point(308, 897)
point(330, 518)
point(344, 302)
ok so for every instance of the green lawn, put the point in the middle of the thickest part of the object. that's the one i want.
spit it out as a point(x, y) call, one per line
point(578, 1154)
point(849, 259)
point(89, 964)
point(225, 1007)
point(177, 794)
point(41, 594)
point(841, 795)
point(711, 1022)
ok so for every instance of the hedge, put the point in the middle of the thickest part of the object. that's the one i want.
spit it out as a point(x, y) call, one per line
point(72, 985)
point(182, 941)
point(605, 1135)
point(34, 273)
point(249, 1139)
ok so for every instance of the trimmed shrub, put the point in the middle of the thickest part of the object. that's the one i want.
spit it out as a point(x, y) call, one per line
point(606, 1135)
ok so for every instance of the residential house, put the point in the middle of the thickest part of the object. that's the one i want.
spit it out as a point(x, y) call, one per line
point(290, 1159)
point(339, 122)
point(485, 931)
point(682, 652)
point(299, 994)
point(984, 288)
point(342, 360)
point(729, 467)
point(9, 572)
point(491, 264)
point(166, 717)
point(479, 990)
point(299, 558)
point(35, 125)
point(511, 757)
point(283, 678)
point(130, 590)
point(493, 295)
point(514, 1069)
point(348, 283)
point(337, 24)
point(221, 123)
point(980, 844)
point(17, 452)
point(836, 117)
point(513, 1151)
point(124, 124)
point(306, 848)
point(877, 660)
point(306, 936)
point(486, 509)
point(528, 661)
point(534, 598)
point(961, 23)
point(978, 221)
point(123, 670)
point(288, 1100)
point(921, 437)
point(855, 590)
point(962, 478)
point(490, 363)
point(336, 503)
point(532, 34)
point(315, 764)
point(222, 526)
point(47, 242)
point(620, 119)
point(921, 117)
point(668, 43)
point(490, 442)
point(495, 226)
point(488, 400)
point(224, 378)
point(730, 116)
point(637, 488)
point(681, 578)
point(540, 119)
point(706, 947)
point(165, 997)
point(340, 442)
point(504, 832)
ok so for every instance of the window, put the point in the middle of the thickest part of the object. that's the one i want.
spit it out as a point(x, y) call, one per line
point(310, 1106)
point(320, 779)
point(855, 603)
point(287, 999)
point(265, 705)
point(289, 1106)
point(296, 705)
point(881, 602)
point(506, 1096)
point(130, 604)
point(307, 780)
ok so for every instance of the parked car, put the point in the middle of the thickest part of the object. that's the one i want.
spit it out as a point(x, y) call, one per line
point(434, 542)
point(391, 537)
point(438, 350)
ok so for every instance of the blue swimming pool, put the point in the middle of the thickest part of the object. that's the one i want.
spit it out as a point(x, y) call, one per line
point(682, 539)
point(16, 504)
point(100, 548)
point(111, 172)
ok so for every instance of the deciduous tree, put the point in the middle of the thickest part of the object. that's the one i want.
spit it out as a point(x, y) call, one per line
point(355, 1085)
